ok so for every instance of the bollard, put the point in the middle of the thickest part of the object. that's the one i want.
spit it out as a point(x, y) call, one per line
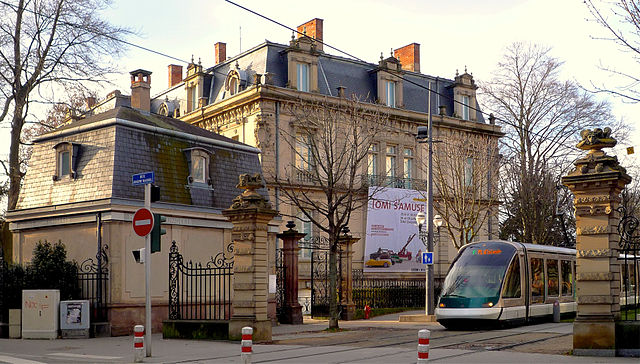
point(556, 311)
point(423, 346)
point(247, 342)
point(138, 343)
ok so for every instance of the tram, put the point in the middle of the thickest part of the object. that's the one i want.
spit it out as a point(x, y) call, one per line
point(498, 282)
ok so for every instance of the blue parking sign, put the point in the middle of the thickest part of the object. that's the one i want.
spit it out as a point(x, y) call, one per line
point(427, 258)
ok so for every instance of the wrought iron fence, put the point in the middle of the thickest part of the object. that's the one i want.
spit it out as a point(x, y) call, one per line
point(93, 279)
point(630, 265)
point(200, 291)
point(4, 309)
point(281, 283)
point(384, 293)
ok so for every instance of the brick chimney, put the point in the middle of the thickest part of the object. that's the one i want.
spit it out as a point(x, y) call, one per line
point(141, 90)
point(175, 74)
point(221, 52)
point(409, 57)
point(313, 29)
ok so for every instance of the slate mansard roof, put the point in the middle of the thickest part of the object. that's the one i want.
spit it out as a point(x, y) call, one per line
point(123, 141)
point(357, 77)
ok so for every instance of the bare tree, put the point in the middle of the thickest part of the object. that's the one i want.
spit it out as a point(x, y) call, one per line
point(542, 116)
point(47, 46)
point(325, 182)
point(463, 165)
point(621, 21)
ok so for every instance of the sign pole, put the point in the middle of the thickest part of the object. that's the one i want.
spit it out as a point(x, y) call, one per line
point(147, 274)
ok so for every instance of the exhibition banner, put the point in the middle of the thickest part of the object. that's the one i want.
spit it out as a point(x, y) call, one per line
point(392, 243)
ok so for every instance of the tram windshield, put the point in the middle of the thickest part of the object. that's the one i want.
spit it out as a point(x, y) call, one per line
point(478, 272)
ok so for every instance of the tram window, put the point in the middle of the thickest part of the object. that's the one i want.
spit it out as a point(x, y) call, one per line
point(552, 275)
point(512, 282)
point(537, 278)
point(567, 278)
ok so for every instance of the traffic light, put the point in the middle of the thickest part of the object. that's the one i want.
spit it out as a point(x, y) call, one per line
point(157, 232)
point(155, 193)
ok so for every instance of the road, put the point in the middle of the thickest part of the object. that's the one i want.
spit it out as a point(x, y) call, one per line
point(381, 340)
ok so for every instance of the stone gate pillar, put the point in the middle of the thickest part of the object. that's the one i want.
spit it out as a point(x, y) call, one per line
point(292, 309)
point(348, 306)
point(250, 214)
point(596, 183)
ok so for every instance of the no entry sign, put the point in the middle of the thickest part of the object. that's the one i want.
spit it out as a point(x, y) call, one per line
point(143, 222)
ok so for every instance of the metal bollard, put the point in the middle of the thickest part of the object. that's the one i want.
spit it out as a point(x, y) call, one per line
point(247, 343)
point(556, 311)
point(423, 345)
point(138, 343)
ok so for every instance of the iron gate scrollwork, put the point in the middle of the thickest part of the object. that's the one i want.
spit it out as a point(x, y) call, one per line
point(320, 283)
point(281, 283)
point(629, 270)
point(93, 277)
point(200, 291)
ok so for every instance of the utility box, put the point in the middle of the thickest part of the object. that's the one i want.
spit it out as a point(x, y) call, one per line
point(74, 319)
point(40, 313)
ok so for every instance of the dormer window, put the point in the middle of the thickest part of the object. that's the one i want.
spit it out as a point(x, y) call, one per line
point(198, 160)
point(236, 79)
point(303, 77)
point(465, 107)
point(391, 93)
point(66, 160)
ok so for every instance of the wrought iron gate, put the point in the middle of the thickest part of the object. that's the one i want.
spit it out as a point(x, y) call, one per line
point(93, 278)
point(630, 264)
point(320, 283)
point(200, 291)
point(281, 283)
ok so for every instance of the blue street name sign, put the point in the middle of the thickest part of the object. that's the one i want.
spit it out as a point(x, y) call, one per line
point(427, 258)
point(143, 178)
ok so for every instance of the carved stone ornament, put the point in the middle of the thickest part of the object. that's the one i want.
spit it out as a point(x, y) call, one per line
point(593, 253)
point(250, 198)
point(596, 139)
point(591, 230)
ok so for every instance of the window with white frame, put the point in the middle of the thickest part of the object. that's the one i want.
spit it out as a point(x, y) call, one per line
point(198, 169)
point(465, 107)
point(66, 160)
point(302, 73)
point(372, 163)
point(468, 171)
point(64, 163)
point(391, 93)
point(193, 98)
point(305, 226)
point(304, 155)
point(391, 161)
point(408, 166)
point(198, 159)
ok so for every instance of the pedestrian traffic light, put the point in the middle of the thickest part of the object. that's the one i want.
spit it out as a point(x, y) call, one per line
point(157, 232)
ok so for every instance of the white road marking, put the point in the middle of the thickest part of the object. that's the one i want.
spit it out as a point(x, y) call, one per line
point(12, 360)
point(85, 356)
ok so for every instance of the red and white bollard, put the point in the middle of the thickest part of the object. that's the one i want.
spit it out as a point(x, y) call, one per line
point(138, 343)
point(423, 346)
point(247, 344)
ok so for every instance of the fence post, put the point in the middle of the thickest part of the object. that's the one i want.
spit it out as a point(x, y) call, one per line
point(292, 310)
point(423, 346)
point(138, 343)
point(247, 344)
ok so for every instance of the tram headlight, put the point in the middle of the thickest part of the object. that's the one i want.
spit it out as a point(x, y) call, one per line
point(488, 304)
point(441, 305)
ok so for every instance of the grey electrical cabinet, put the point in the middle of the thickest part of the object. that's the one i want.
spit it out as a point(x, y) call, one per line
point(74, 319)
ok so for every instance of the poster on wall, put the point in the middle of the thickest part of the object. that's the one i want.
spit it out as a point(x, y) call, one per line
point(392, 243)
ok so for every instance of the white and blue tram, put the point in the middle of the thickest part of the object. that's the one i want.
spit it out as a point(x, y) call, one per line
point(497, 282)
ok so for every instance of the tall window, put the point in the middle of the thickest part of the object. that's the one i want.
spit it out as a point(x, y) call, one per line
point(198, 169)
point(194, 98)
point(537, 280)
point(465, 107)
point(304, 226)
point(391, 93)
point(304, 155)
point(233, 86)
point(408, 166)
point(468, 171)
point(567, 278)
point(64, 164)
point(391, 161)
point(553, 279)
point(372, 162)
point(303, 77)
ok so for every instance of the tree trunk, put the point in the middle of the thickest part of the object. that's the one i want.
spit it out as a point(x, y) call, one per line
point(15, 175)
point(333, 284)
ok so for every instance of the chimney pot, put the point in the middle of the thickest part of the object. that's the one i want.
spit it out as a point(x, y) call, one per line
point(91, 101)
point(313, 29)
point(443, 110)
point(141, 89)
point(409, 57)
point(175, 74)
point(221, 52)
point(341, 91)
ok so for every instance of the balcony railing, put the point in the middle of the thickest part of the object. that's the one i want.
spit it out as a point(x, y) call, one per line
point(396, 182)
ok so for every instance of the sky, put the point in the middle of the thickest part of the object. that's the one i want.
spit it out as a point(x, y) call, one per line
point(453, 35)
